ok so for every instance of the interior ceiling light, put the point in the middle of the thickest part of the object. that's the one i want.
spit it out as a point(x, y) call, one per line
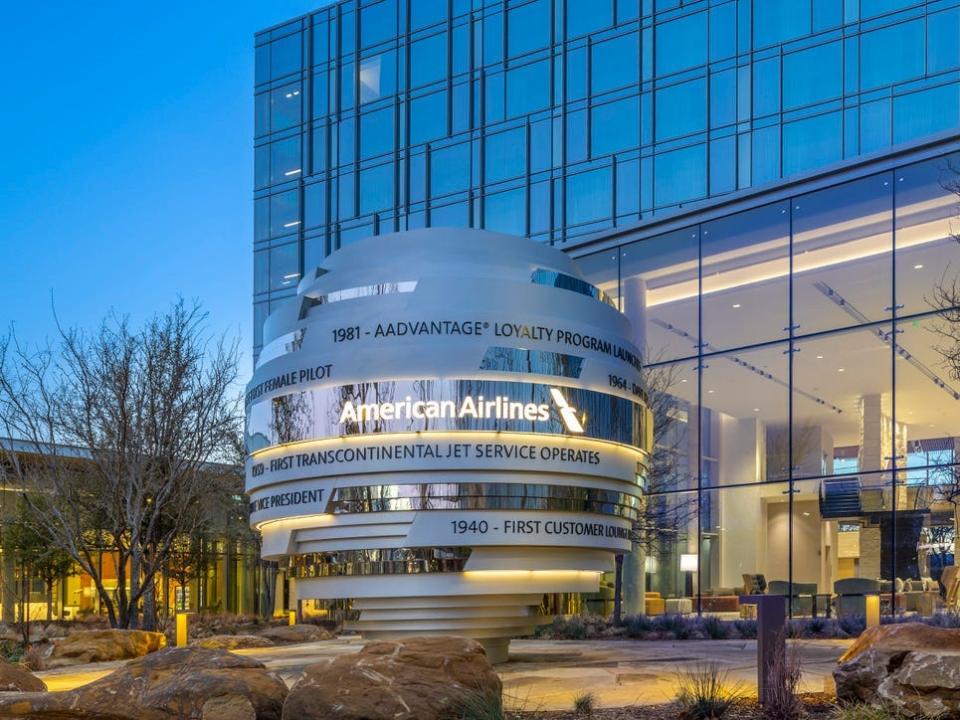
point(736, 305)
point(817, 258)
point(918, 266)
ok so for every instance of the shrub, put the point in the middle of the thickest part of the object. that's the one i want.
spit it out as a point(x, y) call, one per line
point(860, 711)
point(584, 703)
point(715, 628)
point(475, 705)
point(34, 657)
point(780, 699)
point(852, 625)
point(637, 625)
point(746, 628)
point(705, 693)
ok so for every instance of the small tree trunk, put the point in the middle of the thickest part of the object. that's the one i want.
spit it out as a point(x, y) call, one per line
point(618, 589)
point(150, 605)
point(49, 599)
point(134, 611)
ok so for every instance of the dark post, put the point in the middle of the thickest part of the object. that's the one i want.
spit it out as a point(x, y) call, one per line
point(771, 638)
point(618, 590)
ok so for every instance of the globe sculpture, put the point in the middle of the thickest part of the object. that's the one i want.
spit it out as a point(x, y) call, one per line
point(445, 426)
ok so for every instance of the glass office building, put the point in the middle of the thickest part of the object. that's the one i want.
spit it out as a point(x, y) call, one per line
point(767, 188)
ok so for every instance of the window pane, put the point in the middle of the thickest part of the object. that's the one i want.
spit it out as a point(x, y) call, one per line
point(528, 88)
point(670, 520)
point(680, 175)
point(588, 196)
point(586, 16)
point(284, 266)
point(842, 404)
point(812, 75)
point(891, 54)
point(745, 537)
point(576, 70)
point(505, 155)
point(284, 213)
point(926, 112)
point(615, 126)
point(723, 98)
point(261, 271)
point(376, 188)
point(628, 187)
point(776, 22)
point(450, 169)
point(456, 215)
point(812, 143)
point(681, 44)
point(746, 267)
point(261, 166)
point(378, 77)
point(743, 423)
point(528, 27)
point(659, 289)
point(428, 60)
point(943, 50)
point(842, 244)
point(927, 252)
point(315, 205)
point(927, 391)
point(614, 63)
point(378, 23)
point(285, 56)
point(285, 107)
point(681, 109)
point(426, 12)
point(285, 160)
point(506, 212)
point(376, 133)
point(428, 117)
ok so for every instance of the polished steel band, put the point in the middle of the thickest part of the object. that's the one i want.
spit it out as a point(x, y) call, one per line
point(389, 561)
point(482, 496)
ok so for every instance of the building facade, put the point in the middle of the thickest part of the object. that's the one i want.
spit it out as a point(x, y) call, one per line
point(765, 188)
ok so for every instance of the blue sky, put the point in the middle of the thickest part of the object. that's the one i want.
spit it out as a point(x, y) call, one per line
point(126, 172)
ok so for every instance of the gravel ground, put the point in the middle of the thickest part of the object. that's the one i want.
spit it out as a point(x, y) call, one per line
point(819, 707)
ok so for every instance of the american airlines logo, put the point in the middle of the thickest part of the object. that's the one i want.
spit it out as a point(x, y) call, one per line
point(567, 413)
point(499, 408)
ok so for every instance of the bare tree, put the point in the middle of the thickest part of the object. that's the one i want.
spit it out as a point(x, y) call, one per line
point(124, 431)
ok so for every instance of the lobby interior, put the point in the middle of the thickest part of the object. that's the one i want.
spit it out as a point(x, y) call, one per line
point(806, 398)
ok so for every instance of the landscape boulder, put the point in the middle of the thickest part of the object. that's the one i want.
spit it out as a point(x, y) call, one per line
point(233, 642)
point(910, 667)
point(182, 682)
point(416, 678)
point(17, 679)
point(87, 646)
point(296, 634)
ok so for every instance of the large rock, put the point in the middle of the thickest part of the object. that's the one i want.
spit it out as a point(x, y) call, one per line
point(87, 646)
point(911, 667)
point(296, 634)
point(417, 678)
point(16, 679)
point(188, 682)
point(233, 642)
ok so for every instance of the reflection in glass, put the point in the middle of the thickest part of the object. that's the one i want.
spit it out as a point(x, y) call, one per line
point(746, 269)
point(744, 428)
point(841, 255)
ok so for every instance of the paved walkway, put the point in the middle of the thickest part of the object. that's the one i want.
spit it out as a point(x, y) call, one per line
point(548, 674)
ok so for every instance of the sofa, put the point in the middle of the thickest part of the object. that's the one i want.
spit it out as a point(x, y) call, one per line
point(802, 600)
point(852, 593)
point(653, 604)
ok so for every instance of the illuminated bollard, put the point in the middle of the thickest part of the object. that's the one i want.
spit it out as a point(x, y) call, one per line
point(182, 629)
point(872, 604)
point(292, 617)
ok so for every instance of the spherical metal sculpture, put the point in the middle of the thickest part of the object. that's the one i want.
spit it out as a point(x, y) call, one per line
point(444, 425)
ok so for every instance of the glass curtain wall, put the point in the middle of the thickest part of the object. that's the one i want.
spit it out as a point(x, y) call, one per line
point(804, 371)
point(558, 118)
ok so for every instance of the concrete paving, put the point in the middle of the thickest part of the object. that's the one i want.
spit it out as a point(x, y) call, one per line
point(549, 674)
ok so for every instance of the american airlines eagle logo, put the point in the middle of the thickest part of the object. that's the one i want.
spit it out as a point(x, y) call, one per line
point(567, 413)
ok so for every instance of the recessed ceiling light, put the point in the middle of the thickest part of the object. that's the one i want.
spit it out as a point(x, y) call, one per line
point(736, 305)
point(684, 380)
point(819, 357)
point(710, 392)
point(805, 513)
point(918, 266)
point(840, 369)
point(756, 409)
